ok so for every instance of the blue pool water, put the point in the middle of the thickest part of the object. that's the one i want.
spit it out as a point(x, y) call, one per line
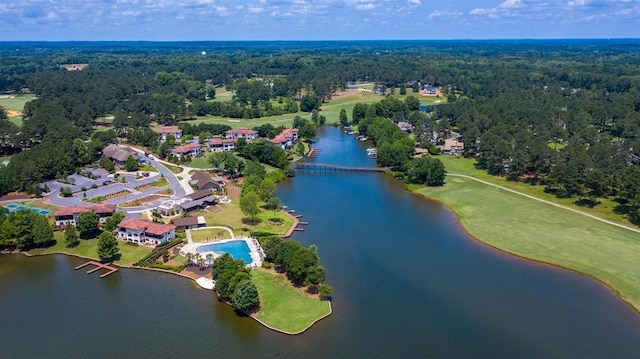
point(237, 249)
point(16, 207)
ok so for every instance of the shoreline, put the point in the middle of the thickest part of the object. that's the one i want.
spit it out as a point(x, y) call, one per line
point(129, 266)
point(480, 241)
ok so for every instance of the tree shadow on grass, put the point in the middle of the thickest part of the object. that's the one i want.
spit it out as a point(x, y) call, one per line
point(251, 222)
point(587, 202)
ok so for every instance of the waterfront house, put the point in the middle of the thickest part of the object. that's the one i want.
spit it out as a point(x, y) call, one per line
point(287, 138)
point(405, 126)
point(242, 132)
point(165, 131)
point(142, 231)
point(190, 149)
point(68, 216)
point(222, 144)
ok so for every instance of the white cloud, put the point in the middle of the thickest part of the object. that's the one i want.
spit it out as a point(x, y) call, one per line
point(508, 4)
point(255, 9)
point(440, 13)
point(416, 2)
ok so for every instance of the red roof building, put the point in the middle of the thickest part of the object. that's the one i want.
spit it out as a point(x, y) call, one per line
point(68, 215)
point(141, 231)
point(242, 132)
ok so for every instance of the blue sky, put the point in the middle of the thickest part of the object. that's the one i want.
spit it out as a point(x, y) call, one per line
point(58, 20)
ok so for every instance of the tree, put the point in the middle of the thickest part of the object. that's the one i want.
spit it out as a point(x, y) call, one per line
point(80, 152)
point(344, 121)
point(309, 102)
point(107, 164)
point(245, 297)
point(274, 204)
point(359, 112)
point(325, 291)
point(426, 170)
point(308, 131)
point(71, 238)
point(42, 232)
point(267, 190)
point(108, 247)
point(412, 103)
point(249, 205)
point(112, 222)
point(87, 224)
point(131, 165)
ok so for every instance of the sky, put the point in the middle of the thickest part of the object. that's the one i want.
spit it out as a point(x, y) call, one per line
point(191, 20)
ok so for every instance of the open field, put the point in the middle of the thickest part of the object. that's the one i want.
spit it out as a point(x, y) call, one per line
point(330, 109)
point(88, 248)
point(16, 103)
point(465, 166)
point(200, 162)
point(283, 306)
point(542, 232)
point(231, 216)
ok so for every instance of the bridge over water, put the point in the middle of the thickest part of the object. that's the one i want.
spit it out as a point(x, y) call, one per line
point(336, 168)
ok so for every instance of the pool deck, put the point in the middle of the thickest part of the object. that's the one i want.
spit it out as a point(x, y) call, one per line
point(255, 250)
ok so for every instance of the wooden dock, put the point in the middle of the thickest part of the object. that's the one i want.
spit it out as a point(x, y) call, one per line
point(336, 168)
point(314, 152)
point(98, 266)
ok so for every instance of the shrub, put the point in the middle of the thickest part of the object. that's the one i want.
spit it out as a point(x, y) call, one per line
point(266, 265)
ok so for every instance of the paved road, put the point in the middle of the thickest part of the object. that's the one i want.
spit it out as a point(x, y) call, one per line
point(548, 202)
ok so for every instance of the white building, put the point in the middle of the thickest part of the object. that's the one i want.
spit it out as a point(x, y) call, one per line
point(242, 132)
point(145, 232)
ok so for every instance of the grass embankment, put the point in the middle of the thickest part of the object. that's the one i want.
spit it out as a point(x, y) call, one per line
point(172, 168)
point(542, 232)
point(284, 307)
point(89, 248)
point(231, 216)
point(465, 166)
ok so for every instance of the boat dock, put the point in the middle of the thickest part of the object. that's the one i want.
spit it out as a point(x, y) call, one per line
point(98, 266)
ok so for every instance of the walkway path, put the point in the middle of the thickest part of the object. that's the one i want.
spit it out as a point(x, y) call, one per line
point(548, 202)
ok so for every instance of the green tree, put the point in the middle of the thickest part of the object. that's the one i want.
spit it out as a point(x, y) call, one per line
point(426, 170)
point(267, 190)
point(274, 204)
point(71, 238)
point(245, 297)
point(87, 224)
point(112, 222)
point(80, 152)
point(309, 102)
point(344, 121)
point(359, 112)
point(308, 131)
point(131, 165)
point(324, 291)
point(107, 164)
point(108, 249)
point(42, 232)
point(249, 205)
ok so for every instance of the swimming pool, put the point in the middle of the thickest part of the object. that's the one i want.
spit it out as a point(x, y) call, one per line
point(17, 207)
point(237, 249)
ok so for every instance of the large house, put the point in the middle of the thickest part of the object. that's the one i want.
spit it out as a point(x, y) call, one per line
point(119, 154)
point(242, 132)
point(452, 146)
point(141, 231)
point(191, 202)
point(203, 180)
point(168, 130)
point(68, 216)
point(222, 144)
point(287, 138)
point(190, 149)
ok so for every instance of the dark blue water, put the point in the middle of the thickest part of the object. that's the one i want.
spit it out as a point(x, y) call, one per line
point(408, 283)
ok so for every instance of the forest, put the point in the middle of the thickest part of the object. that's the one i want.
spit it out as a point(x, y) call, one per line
point(562, 114)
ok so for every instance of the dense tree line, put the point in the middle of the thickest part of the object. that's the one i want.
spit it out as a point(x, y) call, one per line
point(24, 230)
point(233, 283)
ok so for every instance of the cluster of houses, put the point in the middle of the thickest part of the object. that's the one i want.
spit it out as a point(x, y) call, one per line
point(286, 140)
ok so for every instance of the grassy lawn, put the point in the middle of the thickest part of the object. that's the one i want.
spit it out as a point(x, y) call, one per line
point(283, 306)
point(545, 233)
point(330, 109)
point(465, 166)
point(88, 248)
point(231, 216)
point(16, 103)
point(172, 168)
point(202, 235)
point(161, 182)
point(200, 162)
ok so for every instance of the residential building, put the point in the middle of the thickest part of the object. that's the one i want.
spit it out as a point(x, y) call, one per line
point(430, 90)
point(199, 199)
point(119, 154)
point(68, 216)
point(242, 132)
point(189, 222)
point(190, 149)
point(222, 144)
point(168, 130)
point(405, 126)
point(287, 138)
point(452, 146)
point(142, 231)
point(203, 180)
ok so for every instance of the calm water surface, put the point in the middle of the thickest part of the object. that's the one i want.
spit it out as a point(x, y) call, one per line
point(408, 283)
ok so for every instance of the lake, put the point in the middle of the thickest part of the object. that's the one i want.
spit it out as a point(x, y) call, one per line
point(408, 282)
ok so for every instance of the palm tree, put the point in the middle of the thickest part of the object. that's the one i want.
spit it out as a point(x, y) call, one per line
point(210, 258)
point(189, 256)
